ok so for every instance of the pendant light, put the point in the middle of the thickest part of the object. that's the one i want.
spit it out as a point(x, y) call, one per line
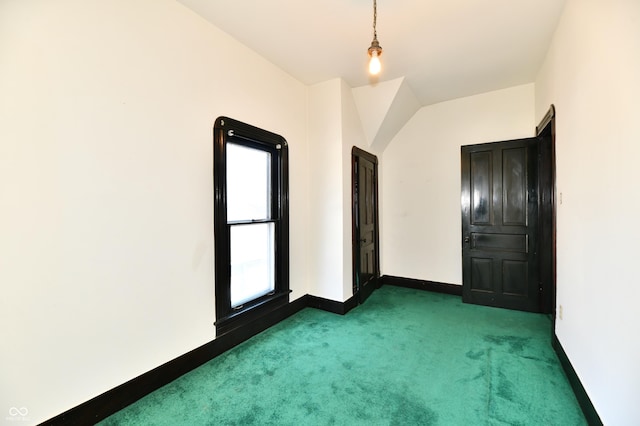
point(374, 50)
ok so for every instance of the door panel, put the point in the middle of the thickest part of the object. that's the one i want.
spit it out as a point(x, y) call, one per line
point(499, 242)
point(499, 224)
point(481, 184)
point(367, 224)
point(514, 186)
point(481, 274)
point(515, 277)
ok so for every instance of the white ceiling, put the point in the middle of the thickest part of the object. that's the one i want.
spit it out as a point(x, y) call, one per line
point(445, 49)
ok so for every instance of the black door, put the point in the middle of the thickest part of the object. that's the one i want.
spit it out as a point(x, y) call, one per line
point(365, 227)
point(500, 225)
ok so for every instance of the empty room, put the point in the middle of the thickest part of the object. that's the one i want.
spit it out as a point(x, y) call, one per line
point(368, 212)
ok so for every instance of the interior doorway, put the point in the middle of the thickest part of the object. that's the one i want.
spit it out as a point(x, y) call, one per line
point(365, 218)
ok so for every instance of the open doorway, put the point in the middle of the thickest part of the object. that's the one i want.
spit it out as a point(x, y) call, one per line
point(366, 239)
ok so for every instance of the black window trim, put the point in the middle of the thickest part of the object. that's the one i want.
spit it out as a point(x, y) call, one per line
point(230, 130)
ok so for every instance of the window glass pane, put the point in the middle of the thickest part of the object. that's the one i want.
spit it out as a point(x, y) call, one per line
point(248, 183)
point(252, 262)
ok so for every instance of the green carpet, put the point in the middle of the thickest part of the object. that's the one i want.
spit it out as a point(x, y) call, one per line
point(405, 357)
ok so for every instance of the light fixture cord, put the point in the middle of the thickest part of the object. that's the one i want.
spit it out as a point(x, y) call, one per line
point(375, 18)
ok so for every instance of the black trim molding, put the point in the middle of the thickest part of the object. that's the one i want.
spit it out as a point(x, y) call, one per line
point(340, 308)
point(229, 131)
point(262, 308)
point(434, 286)
point(589, 411)
point(110, 402)
point(548, 117)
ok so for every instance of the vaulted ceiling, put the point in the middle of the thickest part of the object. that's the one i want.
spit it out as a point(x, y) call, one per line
point(445, 49)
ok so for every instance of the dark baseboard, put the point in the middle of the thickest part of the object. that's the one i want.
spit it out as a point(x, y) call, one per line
point(331, 305)
point(114, 400)
point(588, 409)
point(434, 286)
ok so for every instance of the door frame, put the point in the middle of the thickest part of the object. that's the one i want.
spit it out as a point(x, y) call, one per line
point(356, 154)
point(547, 209)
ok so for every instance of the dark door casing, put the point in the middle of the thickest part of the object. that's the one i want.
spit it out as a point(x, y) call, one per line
point(545, 132)
point(366, 264)
point(500, 225)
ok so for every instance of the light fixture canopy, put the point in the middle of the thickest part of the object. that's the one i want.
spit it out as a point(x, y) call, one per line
point(375, 50)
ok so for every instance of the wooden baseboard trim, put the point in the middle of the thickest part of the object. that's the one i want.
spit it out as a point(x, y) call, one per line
point(110, 402)
point(589, 411)
point(340, 308)
point(114, 400)
point(434, 286)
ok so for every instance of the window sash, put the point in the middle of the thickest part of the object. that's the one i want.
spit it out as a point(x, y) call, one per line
point(252, 261)
point(249, 183)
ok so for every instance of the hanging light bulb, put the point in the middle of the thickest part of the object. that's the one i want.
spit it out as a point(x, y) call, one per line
point(375, 50)
point(374, 62)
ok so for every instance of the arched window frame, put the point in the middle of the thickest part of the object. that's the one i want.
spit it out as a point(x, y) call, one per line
point(227, 130)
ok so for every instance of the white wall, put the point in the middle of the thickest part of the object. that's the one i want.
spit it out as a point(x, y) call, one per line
point(334, 128)
point(591, 74)
point(421, 230)
point(106, 260)
point(353, 134)
point(325, 188)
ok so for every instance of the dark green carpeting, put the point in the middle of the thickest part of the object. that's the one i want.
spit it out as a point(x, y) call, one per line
point(405, 357)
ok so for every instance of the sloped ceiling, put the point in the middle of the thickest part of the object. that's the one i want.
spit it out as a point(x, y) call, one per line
point(445, 49)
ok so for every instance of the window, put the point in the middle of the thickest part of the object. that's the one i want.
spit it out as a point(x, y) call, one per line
point(251, 223)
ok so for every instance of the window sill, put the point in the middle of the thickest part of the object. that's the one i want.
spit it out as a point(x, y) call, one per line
point(251, 312)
